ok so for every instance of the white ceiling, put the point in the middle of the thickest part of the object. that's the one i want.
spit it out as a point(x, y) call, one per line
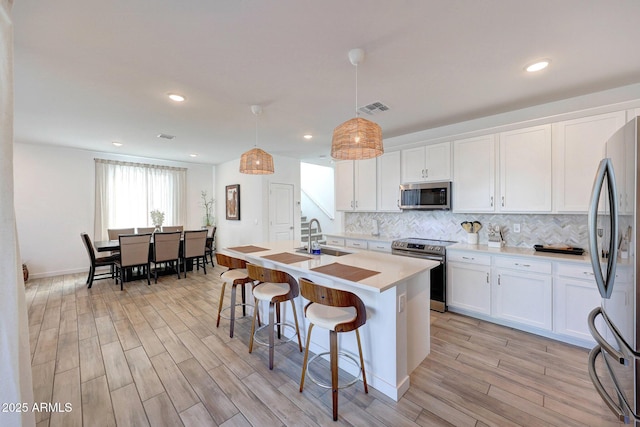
point(90, 72)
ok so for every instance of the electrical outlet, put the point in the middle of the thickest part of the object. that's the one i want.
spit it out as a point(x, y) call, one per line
point(516, 228)
point(402, 302)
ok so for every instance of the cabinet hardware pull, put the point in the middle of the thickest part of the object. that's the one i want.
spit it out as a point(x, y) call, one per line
point(523, 265)
point(469, 258)
point(588, 273)
point(423, 173)
point(356, 203)
point(498, 280)
point(503, 201)
point(426, 173)
point(491, 201)
point(352, 203)
point(487, 277)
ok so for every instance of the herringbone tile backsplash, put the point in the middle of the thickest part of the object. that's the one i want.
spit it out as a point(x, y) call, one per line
point(445, 225)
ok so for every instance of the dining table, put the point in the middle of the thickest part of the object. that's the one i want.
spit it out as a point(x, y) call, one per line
point(114, 245)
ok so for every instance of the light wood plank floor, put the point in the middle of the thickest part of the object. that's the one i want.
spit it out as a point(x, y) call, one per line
point(151, 355)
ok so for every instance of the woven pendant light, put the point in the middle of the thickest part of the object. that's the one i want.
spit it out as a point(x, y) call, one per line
point(256, 161)
point(357, 138)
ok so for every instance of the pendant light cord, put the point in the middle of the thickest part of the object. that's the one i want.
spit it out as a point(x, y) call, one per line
point(357, 112)
point(256, 143)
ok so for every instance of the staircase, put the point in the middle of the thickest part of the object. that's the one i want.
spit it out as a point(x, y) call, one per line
point(316, 233)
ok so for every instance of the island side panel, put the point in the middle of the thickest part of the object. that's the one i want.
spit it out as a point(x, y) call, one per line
point(418, 328)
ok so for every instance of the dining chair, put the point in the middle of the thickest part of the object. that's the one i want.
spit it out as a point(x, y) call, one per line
point(209, 247)
point(115, 232)
point(194, 248)
point(275, 287)
point(166, 248)
point(95, 262)
point(144, 230)
point(134, 252)
point(338, 311)
point(170, 228)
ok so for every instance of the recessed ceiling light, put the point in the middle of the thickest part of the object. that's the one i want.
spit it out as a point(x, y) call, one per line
point(193, 155)
point(307, 136)
point(538, 65)
point(117, 144)
point(176, 97)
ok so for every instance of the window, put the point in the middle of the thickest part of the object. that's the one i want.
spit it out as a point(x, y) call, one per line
point(127, 192)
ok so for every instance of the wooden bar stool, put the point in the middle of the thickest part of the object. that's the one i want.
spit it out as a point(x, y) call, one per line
point(275, 287)
point(236, 274)
point(337, 311)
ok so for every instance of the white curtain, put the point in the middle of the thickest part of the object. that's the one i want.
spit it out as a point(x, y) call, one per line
point(127, 192)
point(15, 358)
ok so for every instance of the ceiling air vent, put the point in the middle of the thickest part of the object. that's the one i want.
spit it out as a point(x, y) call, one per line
point(374, 108)
point(166, 136)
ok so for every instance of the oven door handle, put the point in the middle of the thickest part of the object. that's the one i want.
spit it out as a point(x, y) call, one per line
point(421, 256)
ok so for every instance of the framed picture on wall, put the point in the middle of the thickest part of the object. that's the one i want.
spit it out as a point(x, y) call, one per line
point(232, 198)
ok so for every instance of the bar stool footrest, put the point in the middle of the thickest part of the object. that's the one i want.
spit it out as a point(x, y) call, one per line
point(228, 317)
point(276, 341)
point(340, 354)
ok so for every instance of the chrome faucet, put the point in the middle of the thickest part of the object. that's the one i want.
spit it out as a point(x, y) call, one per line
point(309, 234)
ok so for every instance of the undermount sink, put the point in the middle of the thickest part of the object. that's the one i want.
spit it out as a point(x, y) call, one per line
point(326, 250)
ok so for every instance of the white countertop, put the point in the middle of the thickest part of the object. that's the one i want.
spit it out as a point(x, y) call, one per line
point(393, 269)
point(528, 252)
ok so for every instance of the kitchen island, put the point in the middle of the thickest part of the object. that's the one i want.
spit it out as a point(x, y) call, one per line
point(395, 291)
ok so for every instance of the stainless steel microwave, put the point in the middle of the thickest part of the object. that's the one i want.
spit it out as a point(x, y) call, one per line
point(427, 195)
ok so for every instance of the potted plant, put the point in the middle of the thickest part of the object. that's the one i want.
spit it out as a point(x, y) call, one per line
point(207, 204)
point(157, 218)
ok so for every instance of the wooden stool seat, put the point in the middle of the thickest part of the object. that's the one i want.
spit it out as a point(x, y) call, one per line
point(236, 274)
point(328, 317)
point(337, 311)
point(275, 287)
point(231, 275)
point(267, 291)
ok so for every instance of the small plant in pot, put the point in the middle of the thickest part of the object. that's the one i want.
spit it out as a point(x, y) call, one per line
point(157, 218)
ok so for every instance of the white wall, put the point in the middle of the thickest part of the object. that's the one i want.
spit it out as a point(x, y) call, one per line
point(54, 202)
point(253, 226)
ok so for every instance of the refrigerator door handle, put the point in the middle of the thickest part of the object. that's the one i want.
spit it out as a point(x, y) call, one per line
point(605, 175)
point(617, 410)
point(602, 343)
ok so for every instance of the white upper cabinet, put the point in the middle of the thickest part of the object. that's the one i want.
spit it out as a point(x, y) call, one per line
point(578, 147)
point(389, 181)
point(474, 174)
point(427, 163)
point(355, 185)
point(516, 162)
point(525, 170)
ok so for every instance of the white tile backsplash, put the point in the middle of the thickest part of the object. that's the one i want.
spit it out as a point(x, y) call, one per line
point(445, 225)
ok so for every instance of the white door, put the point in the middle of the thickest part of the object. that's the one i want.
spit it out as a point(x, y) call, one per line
point(281, 212)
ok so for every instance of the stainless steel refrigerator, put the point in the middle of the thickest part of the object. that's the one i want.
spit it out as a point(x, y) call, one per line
point(614, 363)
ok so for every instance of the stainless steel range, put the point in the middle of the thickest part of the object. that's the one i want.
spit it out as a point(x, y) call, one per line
point(428, 249)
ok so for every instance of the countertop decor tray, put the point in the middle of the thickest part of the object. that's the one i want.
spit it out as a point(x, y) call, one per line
point(248, 249)
point(567, 251)
point(286, 258)
point(348, 272)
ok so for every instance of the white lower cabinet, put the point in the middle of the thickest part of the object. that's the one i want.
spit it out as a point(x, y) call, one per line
point(576, 294)
point(523, 297)
point(573, 300)
point(544, 296)
point(469, 283)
